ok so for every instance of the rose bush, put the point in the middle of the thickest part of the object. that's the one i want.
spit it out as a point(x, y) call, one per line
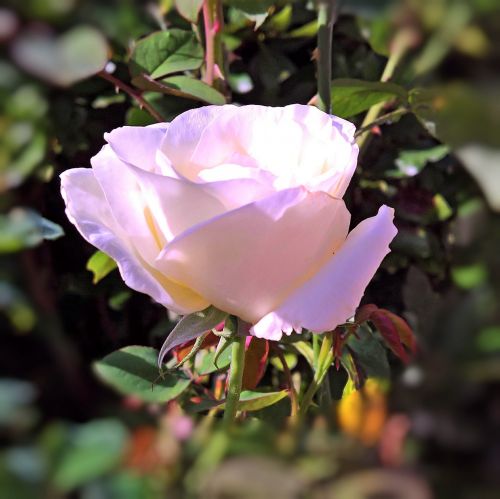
point(236, 207)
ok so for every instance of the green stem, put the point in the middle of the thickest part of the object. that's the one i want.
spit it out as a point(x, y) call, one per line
point(325, 28)
point(213, 19)
point(316, 341)
point(401, 43)
point(235, 380)
point(325, 359)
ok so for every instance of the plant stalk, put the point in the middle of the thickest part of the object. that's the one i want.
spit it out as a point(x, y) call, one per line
point(235, 380)
point(213, 20)
point(324, 68)
point(325, 359)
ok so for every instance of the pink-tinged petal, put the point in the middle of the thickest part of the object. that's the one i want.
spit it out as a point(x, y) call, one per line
point(88, 210)
point(331, 296)
point(137, 145)
point(183, 135)
point(127, 203)
point(175, 204)
point(294, 145)
point(248, 260)
point(342, 165)
point(258, 132)
point(153, 209)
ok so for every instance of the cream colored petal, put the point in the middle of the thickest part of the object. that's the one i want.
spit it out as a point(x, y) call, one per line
point(331, 296)
point(88, 209)
point(248, 260)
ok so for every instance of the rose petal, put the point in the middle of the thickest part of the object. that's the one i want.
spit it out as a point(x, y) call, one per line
point(332, 295)
point(309, 147)
point(137, 145)
point(250, 130)
point(183, 135)
point(246, 261)
point(127, 203)
point(88, 210)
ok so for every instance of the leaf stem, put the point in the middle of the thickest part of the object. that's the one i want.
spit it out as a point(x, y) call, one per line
point(325, 359)
point(143, 103)
point(400, 45)
point(288, 374)
point(235, 380)
point(324, 70)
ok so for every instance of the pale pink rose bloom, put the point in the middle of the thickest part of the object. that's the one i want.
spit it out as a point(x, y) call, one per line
point(236, 207)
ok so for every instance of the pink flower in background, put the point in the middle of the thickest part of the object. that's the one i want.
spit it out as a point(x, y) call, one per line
point(236, 207)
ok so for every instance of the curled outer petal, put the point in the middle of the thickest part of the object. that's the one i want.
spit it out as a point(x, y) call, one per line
point(88, 209)
point(331, 296)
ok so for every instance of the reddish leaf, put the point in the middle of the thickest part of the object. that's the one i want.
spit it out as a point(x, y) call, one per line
point(182, 350)
point(389, 332)
point(405, 332)
point(257, 351)
point(363, 313)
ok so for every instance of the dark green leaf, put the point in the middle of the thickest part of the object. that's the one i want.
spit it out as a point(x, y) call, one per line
point(369, 353)
point(133, 371)
point(351, 97)
point(166, 52)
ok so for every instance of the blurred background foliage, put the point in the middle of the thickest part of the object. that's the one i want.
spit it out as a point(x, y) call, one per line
point(431, 150)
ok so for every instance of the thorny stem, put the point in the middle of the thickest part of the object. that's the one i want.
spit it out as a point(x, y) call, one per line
point(235, 380)
point(325, 28)
point(213, 20)
point(143, 103)
point(209, 42)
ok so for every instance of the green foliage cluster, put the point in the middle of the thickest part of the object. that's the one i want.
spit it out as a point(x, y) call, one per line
point(420, 80)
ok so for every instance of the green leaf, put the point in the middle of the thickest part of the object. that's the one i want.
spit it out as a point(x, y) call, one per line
point(411, 162)
point(190, 327)
point(189, 9)
point(254, 10)
point(351, 97)
point(181, 86)
point(369, 353)
point(254, 401)
point(23, 165)
point(22, 228)
point(193, 88)
point(207, 364)
point(65, 60)
point(100, 265)
point(166, 52)
point(94, 449)
point(133, 371)
point(249, 401)
point(470, 276)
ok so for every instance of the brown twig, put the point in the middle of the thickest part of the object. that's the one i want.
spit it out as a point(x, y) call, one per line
point(143, 103)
